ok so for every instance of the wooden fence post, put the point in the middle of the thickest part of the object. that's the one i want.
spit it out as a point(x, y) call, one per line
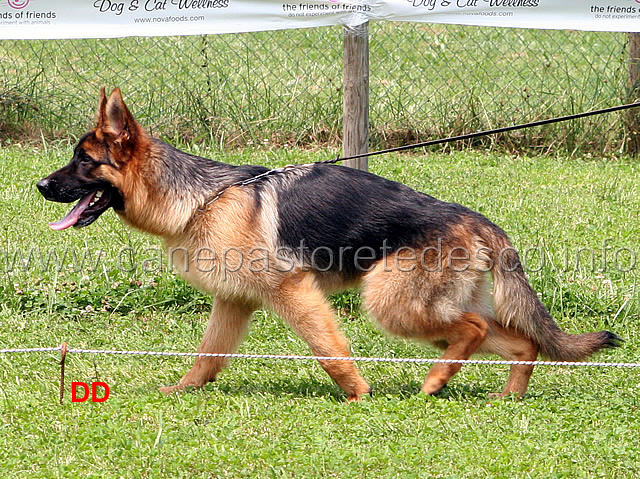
point(632, 119)
point(355, 121)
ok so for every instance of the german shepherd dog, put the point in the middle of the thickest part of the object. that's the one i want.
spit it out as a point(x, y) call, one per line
point(428, 270)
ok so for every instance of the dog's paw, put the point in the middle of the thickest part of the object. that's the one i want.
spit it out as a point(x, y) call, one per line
point(363, 390)
point(168, 390)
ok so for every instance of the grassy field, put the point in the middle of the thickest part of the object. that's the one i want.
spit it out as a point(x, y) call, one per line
point(575, 222)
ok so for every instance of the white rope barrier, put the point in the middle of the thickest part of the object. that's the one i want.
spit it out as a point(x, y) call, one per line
point(324, 358)
point(30, 350)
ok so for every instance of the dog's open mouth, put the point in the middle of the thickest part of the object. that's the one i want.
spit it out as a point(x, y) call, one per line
point(86, 211)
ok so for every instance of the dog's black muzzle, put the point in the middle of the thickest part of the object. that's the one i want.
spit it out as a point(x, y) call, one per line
point(62, 191)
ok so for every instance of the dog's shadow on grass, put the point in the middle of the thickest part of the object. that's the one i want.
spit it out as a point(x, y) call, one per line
point(314, 388)
point(278, 388)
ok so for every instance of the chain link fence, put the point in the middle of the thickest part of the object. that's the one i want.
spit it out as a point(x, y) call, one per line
point(285, 87)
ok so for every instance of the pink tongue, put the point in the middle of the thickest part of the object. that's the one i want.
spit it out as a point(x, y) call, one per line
point(73, 215)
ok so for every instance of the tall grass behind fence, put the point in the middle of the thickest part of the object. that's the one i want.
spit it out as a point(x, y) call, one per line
point(285, 87)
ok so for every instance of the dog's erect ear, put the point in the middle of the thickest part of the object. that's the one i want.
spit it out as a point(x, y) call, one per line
point(114, 118)
point(102, 103)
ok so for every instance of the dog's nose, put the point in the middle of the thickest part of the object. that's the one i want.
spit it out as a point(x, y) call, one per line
point(43, 186)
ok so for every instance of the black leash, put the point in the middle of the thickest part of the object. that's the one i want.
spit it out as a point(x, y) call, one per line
point(478, 134)
point(450, 139)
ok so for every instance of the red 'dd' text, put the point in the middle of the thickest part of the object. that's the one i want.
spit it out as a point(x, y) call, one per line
point(78, 385)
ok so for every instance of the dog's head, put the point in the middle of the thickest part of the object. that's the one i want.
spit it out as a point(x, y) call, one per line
point(94, 176)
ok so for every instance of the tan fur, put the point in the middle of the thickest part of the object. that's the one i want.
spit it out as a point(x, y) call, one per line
point(228, 324)
point(463, 337)
point(231, 233)
point(300, 302)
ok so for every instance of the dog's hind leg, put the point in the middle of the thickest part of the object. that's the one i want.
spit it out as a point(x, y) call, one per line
point(512, 346)
point(463, 337)
point(227, 326)
point(437, 305)
point(302, 304)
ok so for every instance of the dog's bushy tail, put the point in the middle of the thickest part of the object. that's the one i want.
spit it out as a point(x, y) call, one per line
point(517, 305)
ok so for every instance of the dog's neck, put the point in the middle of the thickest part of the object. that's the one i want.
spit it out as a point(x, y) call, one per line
point(184, 185)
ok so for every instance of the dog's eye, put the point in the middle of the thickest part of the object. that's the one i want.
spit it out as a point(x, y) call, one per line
point(84, 158)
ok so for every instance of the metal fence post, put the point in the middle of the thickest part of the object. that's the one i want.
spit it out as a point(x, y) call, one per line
point(355, 129)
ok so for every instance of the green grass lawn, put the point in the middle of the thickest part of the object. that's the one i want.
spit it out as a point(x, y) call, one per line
point(575, 222)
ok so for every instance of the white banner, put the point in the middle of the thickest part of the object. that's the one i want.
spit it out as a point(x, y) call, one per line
point(49, 19)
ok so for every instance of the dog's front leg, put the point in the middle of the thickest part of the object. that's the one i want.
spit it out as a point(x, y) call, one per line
point(227, 326)
point(304, 307)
